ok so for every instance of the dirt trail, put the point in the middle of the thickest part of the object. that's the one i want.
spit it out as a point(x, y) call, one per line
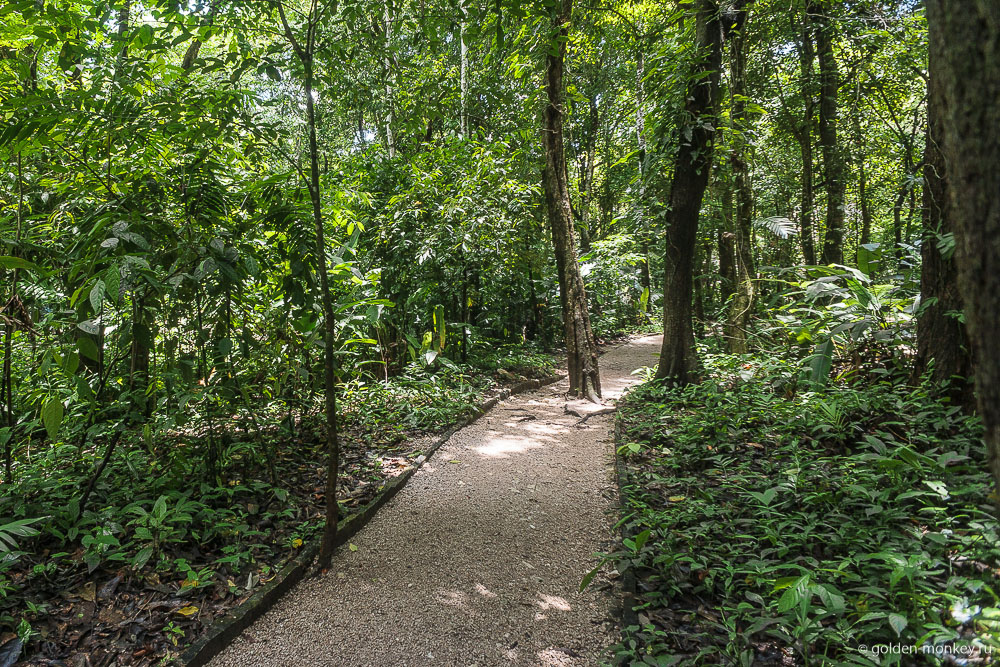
point(478, 561)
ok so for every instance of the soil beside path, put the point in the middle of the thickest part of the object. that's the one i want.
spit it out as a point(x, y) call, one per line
point(478, 561)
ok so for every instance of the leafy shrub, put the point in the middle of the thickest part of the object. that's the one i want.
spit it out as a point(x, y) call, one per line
point(819, 521)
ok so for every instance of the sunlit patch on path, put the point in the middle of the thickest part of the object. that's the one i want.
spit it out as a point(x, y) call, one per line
point(478, 561)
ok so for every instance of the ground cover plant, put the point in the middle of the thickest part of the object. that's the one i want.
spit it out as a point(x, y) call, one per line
point(774, 521)
point(161, 551)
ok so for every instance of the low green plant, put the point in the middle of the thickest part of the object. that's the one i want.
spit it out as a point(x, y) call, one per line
point(816, 521)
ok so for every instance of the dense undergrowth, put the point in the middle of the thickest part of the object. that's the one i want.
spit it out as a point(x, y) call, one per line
point(774, 521)
point(160, 549)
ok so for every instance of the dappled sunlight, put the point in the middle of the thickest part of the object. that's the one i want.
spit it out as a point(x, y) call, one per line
point(451, 598)
point(504, 447)
point(553, 657)
point(485, 592)
point(545, 430)
point(547, 602)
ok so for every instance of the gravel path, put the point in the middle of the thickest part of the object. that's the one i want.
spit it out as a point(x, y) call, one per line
point(478, 561)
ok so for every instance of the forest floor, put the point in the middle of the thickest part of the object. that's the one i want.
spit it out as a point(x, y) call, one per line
point(478, 561)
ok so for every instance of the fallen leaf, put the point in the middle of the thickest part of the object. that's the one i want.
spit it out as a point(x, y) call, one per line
point(676, 499)
point(109, 588)
point(189, 610)
point(352, 547)
point(88, 591)
point(10, 652)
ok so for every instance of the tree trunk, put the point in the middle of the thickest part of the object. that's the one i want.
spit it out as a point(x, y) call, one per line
point(941, 336)
point(124, 13)
point(727, 263)
point(742, 306)
point(7, 381)
point(581, 350)
point(587, 174)
point(305, 53)
point(866, 213)
point(645, 275)
point(463, 51)
point(678, 360)
point(806, 58)
point(390, 139)
point(833, 160)
point(965, 58)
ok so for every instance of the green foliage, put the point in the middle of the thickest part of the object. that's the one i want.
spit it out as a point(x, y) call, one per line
point(820, 521)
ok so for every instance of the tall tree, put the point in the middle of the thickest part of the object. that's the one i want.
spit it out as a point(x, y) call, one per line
point(305, 51)
point(965, 59)
point(833, 159)
point(807, 57)
point(678, 360)
point(742, 304)
point(941, 335)
point(463, 90)
point(581, 349)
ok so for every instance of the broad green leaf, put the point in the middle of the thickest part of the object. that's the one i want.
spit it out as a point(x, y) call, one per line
point(898, 623)
point(8, 262)
point(87, 346)
point(52, 416)
point(142, 557)
point(822, 362)
point(112, 283)
point(97, 296)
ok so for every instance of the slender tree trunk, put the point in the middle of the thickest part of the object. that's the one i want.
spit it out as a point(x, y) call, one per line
point(124, 13)
point(866, 213)
point(581, 350)
point(329, 385)
point(911, 210)
point(965, 56)
point(645, 275)
point(305, 53)
point(941, 336)
point(678, 360)
point(463, 75)
point(702, 285)
point(727, 262)
point(806, 58)
point(833, 159)
point(195, 47)
point(390, 139)
point(742, 306)
point(897, 218)
point(587, 174)
point(7, 383)
point(139, 366)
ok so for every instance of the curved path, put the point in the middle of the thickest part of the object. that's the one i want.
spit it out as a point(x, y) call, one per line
point(478, 561)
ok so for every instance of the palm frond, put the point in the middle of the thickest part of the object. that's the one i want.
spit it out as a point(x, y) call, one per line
point(777, 225)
